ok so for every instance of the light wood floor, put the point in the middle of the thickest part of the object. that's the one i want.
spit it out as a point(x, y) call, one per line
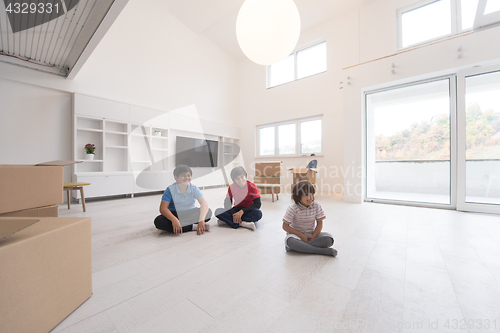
point(399, 269)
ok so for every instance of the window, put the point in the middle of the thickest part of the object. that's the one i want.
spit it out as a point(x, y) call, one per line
point(290, 138)
point(437, 18)
point(282, 72)
point(428, 20)
point(302, 63)
point(266, 142)
point(310, 136)
point(286, 139)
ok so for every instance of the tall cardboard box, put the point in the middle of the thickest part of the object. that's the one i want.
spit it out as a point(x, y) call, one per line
point(45, 271)
point(24, 187)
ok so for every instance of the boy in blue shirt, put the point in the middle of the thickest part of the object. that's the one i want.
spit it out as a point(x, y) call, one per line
point(177, 207)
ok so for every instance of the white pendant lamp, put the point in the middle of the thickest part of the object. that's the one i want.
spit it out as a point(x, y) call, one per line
point(268, 30)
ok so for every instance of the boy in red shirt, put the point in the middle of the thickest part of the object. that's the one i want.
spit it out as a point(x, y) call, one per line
point(246, 202)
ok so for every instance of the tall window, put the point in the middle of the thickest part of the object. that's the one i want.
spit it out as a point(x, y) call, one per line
point(427, 20)
point(291, 138)
point(286, 139)
point(302, 63)
point(266, 141)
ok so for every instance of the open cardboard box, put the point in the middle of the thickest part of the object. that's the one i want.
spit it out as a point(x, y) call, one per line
point(45, 271)
point(303, 174)
point(25, 187)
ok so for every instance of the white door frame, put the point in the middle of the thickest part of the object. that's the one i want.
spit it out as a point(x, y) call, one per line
point(461, 148)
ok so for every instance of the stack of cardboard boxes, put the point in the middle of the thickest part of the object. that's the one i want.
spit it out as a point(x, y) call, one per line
point(267, 177)
point(45, 261)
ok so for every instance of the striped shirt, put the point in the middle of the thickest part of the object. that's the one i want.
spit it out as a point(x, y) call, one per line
point(303, 218)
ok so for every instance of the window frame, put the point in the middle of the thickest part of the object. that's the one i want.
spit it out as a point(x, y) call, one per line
point(456, 21)
point(297, 123)
point(294, 53)
point(482, 20)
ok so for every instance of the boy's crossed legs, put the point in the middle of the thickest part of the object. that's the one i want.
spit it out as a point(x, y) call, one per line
point(187, 219)
point(252, 216)
point(319, 245)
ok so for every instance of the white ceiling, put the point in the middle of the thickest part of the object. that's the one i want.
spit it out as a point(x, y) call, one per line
point(216, 19)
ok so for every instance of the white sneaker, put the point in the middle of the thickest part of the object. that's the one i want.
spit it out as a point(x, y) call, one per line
point(221, 223)
point(248, 225)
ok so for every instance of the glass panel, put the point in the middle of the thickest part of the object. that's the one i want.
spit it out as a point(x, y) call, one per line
point(286, 139)
point(408, 143)
point(492, 6)
point(468, 9)
point(426, 22)
point(310, 136)
point(482, 136)
point(311, 61)
point(282, 72)
point(266, 141)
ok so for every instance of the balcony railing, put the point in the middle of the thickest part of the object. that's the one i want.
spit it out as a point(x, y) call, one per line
point(429, 180)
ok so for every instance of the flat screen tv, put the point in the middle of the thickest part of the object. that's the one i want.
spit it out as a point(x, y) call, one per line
point(196, 152)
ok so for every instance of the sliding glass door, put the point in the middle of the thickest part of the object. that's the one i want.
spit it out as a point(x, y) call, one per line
point(409, 143)
point(436, 142)
point(479, 140)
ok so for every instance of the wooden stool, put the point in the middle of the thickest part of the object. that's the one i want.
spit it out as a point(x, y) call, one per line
point(75, 186)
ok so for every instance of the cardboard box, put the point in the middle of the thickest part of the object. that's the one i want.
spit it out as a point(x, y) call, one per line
point(303, 174)
point(47, 211)
point(268, 169)
point(31, 186)
point(266, 180)
point(45, 271)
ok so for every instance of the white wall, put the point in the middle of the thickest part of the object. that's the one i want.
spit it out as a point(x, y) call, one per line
point(319, 94)
point(35, 124)
point(147, 58)
point(379, 40)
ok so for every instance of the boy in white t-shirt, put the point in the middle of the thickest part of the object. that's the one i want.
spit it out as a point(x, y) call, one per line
point(303, 223)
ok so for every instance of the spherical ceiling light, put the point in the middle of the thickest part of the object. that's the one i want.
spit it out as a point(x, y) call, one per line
point(268, 30)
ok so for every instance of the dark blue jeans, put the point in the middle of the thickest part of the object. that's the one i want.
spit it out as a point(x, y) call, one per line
point(252, 216)
point(187, 219)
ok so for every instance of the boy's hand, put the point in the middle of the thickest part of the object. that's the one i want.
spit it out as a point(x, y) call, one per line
point(177, 227)
point(304, 238)
point(200, 229)
point(237, 217)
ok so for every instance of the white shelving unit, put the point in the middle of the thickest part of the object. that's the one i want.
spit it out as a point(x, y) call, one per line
point(230, 150)
point(134, 147)
point(130, 157)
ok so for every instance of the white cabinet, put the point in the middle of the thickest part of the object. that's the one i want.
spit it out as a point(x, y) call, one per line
point(105, 184)
point(100, 108)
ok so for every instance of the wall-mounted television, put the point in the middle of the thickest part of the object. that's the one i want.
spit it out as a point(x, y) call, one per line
point(196, 152)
